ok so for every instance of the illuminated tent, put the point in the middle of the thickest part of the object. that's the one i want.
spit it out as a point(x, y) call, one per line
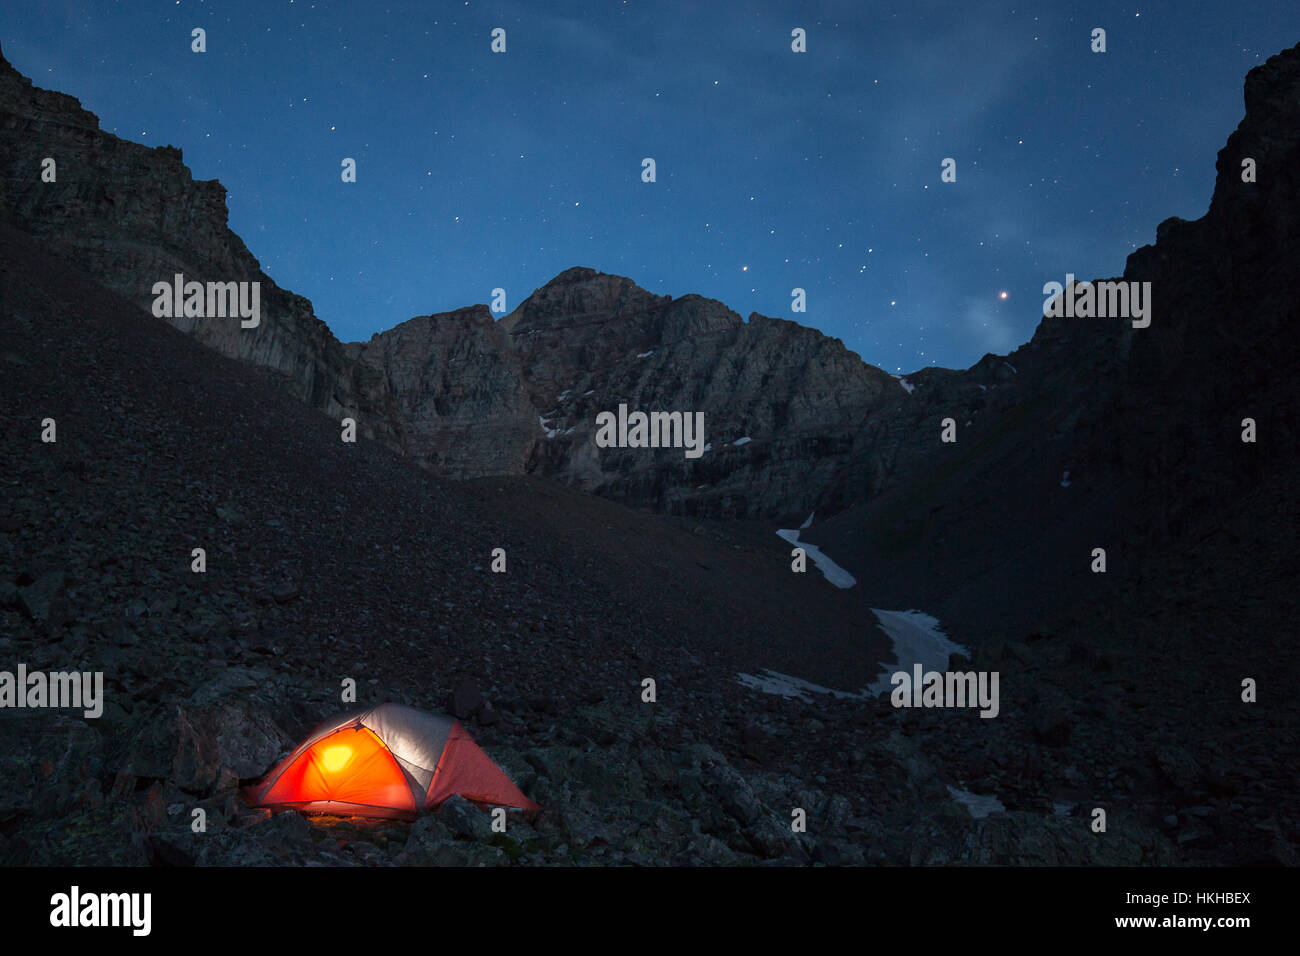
point(388, 761)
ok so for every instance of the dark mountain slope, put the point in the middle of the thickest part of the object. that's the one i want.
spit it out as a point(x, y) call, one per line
point(129, 393)
point(132, 215)
point(328, 561)
point(989, 534)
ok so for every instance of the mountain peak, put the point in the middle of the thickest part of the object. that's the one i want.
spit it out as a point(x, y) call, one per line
point(574, 275)
point(1267, 137)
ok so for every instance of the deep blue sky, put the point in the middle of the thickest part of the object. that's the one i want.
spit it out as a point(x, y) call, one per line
point(775, 169)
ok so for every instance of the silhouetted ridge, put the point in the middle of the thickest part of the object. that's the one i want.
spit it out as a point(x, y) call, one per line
point(467, 399)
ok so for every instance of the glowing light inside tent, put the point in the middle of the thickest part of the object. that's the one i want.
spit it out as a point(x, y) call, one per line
point(336, 758)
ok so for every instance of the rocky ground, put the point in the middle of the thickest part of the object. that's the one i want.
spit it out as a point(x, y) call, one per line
point(328, 561)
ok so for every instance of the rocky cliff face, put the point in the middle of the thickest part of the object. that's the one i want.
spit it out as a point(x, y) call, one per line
point(1097, 434)
point(590, 342)
point(476, 397)
point(468, 396)
point(133, 216)
point(459, 392)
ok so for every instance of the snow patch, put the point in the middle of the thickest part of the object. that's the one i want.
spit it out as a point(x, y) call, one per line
point(546, 427)
point(908, 386)
point(742, 441)
point(774, 682)
point(646, 354)
point(917, 640)
point(979, 806)
point(1065, 479)
point(832, 571)
point(807, 522)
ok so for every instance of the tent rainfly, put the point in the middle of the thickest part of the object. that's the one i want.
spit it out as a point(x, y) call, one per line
point(388, 761)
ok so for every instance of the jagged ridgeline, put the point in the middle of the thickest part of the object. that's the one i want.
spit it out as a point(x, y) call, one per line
point(794, 421)
point(523, 393)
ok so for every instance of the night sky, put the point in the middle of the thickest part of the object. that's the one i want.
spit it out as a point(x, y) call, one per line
point(819, 170)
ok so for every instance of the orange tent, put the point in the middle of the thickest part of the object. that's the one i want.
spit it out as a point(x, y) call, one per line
point(388, 761)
